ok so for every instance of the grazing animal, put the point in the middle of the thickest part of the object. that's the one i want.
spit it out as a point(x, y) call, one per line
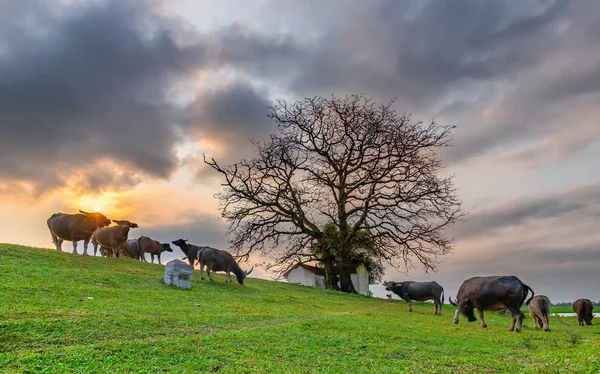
point(583, 308)
point(146, 245)
point(539, 308)
point(113, 237)
point(492, 293)
point(75, 227)
point(220, 260)
point(419, 291)
point(190, 250)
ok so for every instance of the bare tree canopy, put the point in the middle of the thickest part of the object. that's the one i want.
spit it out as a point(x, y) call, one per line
point(351, 162)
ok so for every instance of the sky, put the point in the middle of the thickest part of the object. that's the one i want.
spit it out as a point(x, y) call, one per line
point(111, 104)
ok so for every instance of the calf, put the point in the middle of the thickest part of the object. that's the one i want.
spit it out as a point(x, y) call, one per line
point(583, 308)
point(113, 237)
point(539, 308)
point(75, 227)
point(146, 245)
point(492, 293)
point(419, 291)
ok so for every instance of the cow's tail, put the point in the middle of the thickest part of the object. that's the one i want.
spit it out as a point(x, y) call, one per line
point(532, 294)
point(450, 300)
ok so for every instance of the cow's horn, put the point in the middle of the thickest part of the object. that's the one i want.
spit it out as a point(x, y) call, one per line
point(248, 273)
point(83, 212)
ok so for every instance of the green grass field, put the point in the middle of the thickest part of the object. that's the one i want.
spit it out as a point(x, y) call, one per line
point(68, 313)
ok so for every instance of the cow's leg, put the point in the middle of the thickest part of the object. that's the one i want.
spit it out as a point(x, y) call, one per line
point(158, 255)
point(74, 247)
point(438, 308)
point(546, 323)
point(86, 242)
point(517, 319)
point(209, 270)
point(60, 241)
point(535, 321)
point(95, 244)
point(152, 258)
point(459, 306)
point(202, 270)
point(409, 301)
point(480, 312)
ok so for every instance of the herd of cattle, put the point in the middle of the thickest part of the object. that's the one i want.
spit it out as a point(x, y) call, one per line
point(497, 293)
point(114, 242)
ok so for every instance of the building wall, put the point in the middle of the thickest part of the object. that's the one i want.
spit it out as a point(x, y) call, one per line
point(362, 280)
point(302, 276)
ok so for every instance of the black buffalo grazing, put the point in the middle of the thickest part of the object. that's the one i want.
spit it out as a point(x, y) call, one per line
point(583, 308)
point(75, 227)
point(112, 238)
point(419, 291)
point(539, 308)
point(492, 293)
point(220, 260)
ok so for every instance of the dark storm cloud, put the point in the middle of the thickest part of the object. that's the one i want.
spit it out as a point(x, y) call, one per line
point(416, 57)
point(429, 52)
point(92, 87)
point(583, 203)
point(237, 108)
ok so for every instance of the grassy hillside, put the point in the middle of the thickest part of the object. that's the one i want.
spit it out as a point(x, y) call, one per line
point(68, 313)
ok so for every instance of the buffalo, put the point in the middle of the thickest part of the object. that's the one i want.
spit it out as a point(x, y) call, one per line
point(112, 238)
point(220, 260)
point(190, 250)
point(539, 308)
point(75, 227)
point(583, 308)
point(145, 245)
point(419, 291)
point(492, 293)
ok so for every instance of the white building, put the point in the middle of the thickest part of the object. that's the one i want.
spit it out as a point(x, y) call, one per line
point(313, 276)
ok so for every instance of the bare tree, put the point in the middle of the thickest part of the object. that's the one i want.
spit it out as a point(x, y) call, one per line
point(350, 162)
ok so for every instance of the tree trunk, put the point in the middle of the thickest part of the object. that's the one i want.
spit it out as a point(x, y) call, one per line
point(330, 277)
point(345, 278)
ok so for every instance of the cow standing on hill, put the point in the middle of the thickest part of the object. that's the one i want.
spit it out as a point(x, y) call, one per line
point(583, 308)
point(112, 238)
point(419, 291)
point(492, 293)
point(75, 227)
point(145, 245)
point(189, 250)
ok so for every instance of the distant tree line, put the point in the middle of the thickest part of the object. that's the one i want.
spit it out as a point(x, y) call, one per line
point(570, 303)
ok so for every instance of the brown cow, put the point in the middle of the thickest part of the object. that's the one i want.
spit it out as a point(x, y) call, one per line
point(583, 308)
point(75, 227)
point(113, 237)
point(539, 308)
point(146, 245)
